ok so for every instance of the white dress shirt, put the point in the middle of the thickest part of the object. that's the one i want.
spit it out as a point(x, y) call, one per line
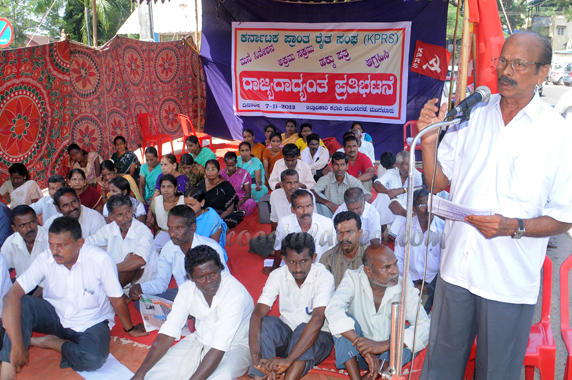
point(370, 223)
point(417, 255)
point(45, 207)
point(172, 263)
point(138, 209)
point(80, 295)
point(296, 303)
point(16, 252)
point(90, 220)
point(139, 241)
point(319, 161)
point(521, 170)
point(224, 323)
point(392, 180)
point(304, 174)
point(322, 231)
point(5, 282)
point(280, 206)
point(354, 296)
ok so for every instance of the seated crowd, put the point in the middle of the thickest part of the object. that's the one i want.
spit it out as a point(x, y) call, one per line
point(116, 230)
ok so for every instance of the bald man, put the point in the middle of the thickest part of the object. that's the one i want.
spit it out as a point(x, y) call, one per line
point(361, 328)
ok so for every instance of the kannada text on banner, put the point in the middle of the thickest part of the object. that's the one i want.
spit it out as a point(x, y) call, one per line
point(349, 71)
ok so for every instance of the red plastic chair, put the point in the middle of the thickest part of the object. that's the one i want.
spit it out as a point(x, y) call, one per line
point(541, 350)
point(412, 133)
point(185, 123)
point(565, 314)
point(151, 135)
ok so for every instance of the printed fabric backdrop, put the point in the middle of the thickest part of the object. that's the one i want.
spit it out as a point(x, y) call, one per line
point(56, 94)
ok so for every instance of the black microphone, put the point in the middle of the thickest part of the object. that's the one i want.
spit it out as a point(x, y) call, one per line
point(482, 94)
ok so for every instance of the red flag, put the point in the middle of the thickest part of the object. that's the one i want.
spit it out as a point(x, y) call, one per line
point(430, 60)
point(490, 39)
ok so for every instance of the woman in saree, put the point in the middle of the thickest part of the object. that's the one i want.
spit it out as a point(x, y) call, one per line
point(268, 131)
point(162, 204)
point(22, 190)
point(220, 195)
point(194, 172)
point(256, 149)
point(272, 154)
point(150, 170)
point(126, 162)
point(88, 196)
point(108, 171)
point(200, 155)
point(209, 223)
point(255, 169)
point(88, 162)
point(291, 136)
point(119, 185)
point(169, 165)
point(241, 180)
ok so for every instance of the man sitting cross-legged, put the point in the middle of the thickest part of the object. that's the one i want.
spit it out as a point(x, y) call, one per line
point(291, 161)
point(67, 203)
point(129, 242)
point(182, 224)
point(81, 297)
point(45, 206)
point(222, 307)
point(299, 339)
point(348, 253)
point(359, 314)
point(355, 200)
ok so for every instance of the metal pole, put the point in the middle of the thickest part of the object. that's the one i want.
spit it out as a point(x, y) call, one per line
point(86, 11)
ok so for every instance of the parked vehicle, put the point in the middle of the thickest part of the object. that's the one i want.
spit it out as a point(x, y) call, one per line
point(556, 74)
point(567, 77)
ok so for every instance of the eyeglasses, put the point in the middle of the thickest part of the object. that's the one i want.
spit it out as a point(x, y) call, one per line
point(423, 205)
point(517, 64)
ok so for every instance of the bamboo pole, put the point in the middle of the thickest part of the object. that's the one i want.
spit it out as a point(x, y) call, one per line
point(94, 21)
point(454, 55)
point(199, 126)
point(464, 56)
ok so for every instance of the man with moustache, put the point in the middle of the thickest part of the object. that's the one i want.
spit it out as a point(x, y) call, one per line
point(359, 314)
point(354, 200)
point(315, 155)
point(299, 339)
point(128, 241)
point(291, 161)
point(182, 224)
point(512, 156)
point(67, 203)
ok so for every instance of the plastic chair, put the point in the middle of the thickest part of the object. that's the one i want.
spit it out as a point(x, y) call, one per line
point(202, 137)
point(412, 124)
point(541, 350)
point(151, 135)
point(565, 314)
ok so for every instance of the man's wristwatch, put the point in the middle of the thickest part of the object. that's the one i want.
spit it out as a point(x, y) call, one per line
point(520, 232)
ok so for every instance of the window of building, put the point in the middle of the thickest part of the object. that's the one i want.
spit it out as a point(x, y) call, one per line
point(561, 30)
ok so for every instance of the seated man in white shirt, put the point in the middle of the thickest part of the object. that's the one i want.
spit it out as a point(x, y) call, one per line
point(391, 201)
point(128, 241)
point(359, 314)
point(120, 185)
point(354, 200)
point(28, 241)
point(81, 297)
point(290, 152)
point(303, 219)
point(5, 285)
point(182, 224)
point(299, 339)
point(420, 227)
point(45, 206)
point(67, 203)
point(218, 349)
point(315, 155)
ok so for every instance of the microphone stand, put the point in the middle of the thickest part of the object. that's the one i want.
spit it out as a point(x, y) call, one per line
point(398, 316)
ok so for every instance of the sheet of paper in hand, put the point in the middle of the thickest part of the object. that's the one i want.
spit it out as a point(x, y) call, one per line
point(453, 211)
point(154, 311)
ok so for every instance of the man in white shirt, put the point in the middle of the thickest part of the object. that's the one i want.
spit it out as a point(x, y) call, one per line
point(128, 241)
point(421, 230)
point(81, 297)
point(182, 224)
point(487, 163)
point(354, 200)
point(303, 219)
point(67, 203)
point(359, 314)
point(291, 161)
point(218, 349)
point(299, 339)
point(315, 155)
point(391, 201)
point(45, 206)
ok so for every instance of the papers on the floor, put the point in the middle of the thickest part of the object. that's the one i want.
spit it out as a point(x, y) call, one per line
point(453, 211)
point(161, 239)
point(270, 262)
point(154, 311)
point(112, 369)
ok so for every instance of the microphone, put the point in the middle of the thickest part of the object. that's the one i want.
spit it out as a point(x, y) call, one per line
point(482, 94)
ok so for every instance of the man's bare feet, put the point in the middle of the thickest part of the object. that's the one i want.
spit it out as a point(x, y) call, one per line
point(51, 342)
point(8, 372)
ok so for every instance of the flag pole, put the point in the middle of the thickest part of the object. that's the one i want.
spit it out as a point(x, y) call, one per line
point(465, 55)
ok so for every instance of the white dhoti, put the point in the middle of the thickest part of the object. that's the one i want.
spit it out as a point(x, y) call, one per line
point(183, 359)
point(381, 204)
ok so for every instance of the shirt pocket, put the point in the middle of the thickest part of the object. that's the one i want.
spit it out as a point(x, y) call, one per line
point(525, 179)
point(89, 299)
